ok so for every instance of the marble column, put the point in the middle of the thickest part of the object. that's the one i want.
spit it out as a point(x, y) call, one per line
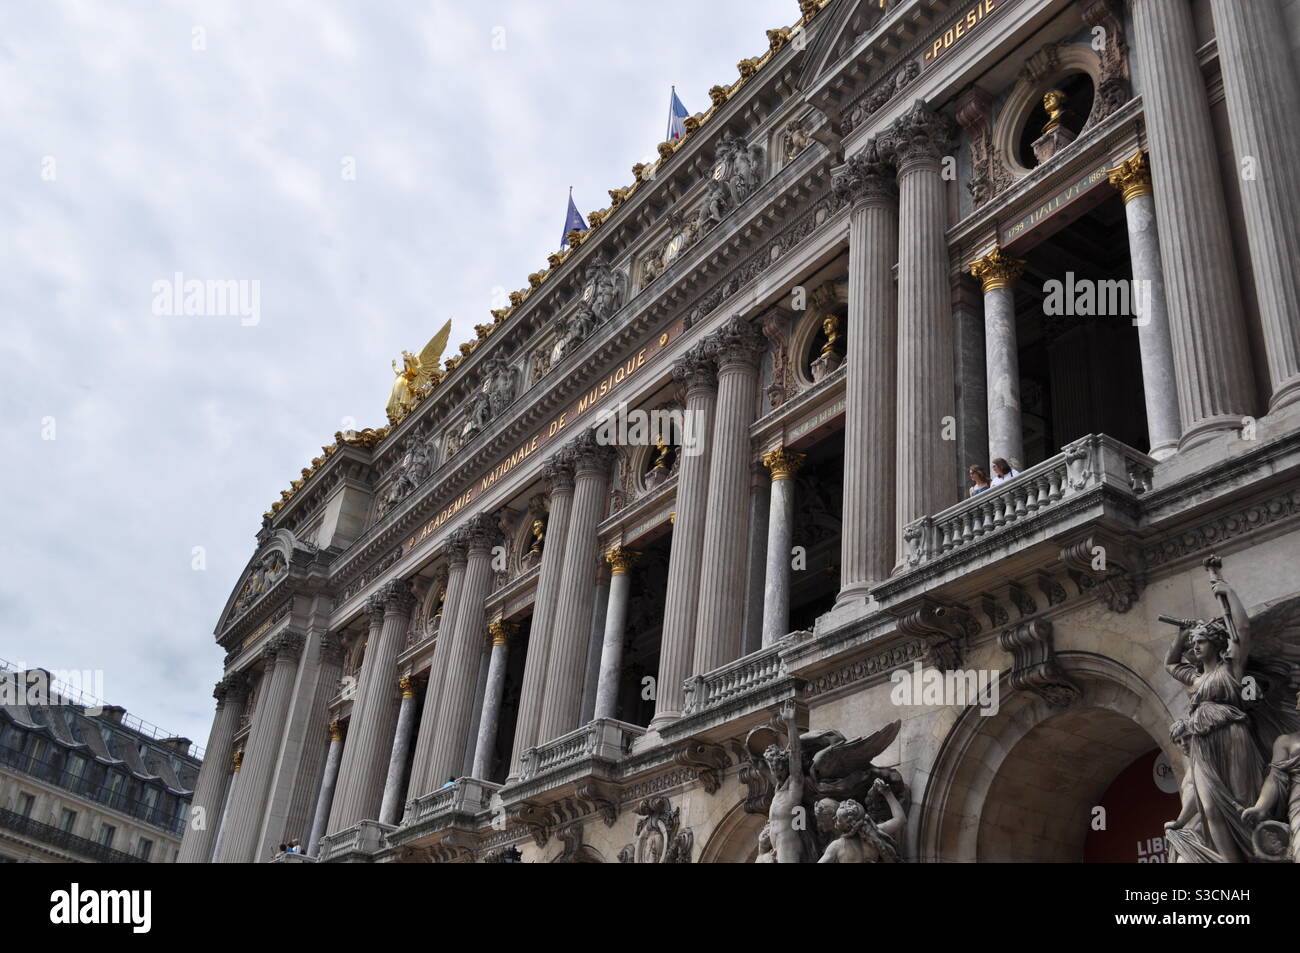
point(248, 799)
point(1207, 327)
point(595, 644)
point(567, 662)
point(210, 789)
point(784, 465)
point(501, 633)
point(390, 806)
point(455, 712)
point(236, 762)
point(867, 530)
point(1260, 83)
point(677, 646)
point(998, 274)
point(374, 714)
point(736, 349)
point(760, 493)
point(559, 477)
point(926, 475)
point(621, 562)
point(327, 784)
point(476, 713)
point(422, 779)
point(1159, 387)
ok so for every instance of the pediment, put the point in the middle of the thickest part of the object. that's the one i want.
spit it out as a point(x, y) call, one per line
point(270, 565)
point(849, 21)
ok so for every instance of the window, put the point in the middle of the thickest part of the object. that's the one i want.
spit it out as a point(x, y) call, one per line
point(143, 848)
point(66, 820)
point(26, 803)
point(74, 771)
point(106, 832)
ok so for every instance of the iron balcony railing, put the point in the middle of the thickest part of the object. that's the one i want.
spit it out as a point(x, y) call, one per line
point(57, 837)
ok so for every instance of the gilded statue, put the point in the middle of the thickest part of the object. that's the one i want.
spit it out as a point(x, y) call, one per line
point(416, 376)
point(539, 536)
point(830, 328)
point(1054, 103)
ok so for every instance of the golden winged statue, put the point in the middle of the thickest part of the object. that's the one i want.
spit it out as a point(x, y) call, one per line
point(416, 376)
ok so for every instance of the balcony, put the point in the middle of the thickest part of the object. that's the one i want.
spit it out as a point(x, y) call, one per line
point(357, 844)
point(56, 837)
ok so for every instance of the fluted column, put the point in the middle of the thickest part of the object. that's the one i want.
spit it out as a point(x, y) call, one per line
point(926, 475)
point(326, 797)
point(566, 665)
point(422, 779)
point(621, 562)
point(374, 716)
point(677, 644)
point(559, 477)
point(210, 789)
point(236, 762)
point(998, 274)
point(736, 349)
point(390, 806)
point(1208, 330)
point(455, 712)
point(501, 633)
point(248, 799)
point(867, 528)
point(1159, 387)
point(1260, 86)
point(784, 465)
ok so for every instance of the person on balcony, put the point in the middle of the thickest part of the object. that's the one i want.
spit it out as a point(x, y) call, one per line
point(1003, 471)
point(979, 480)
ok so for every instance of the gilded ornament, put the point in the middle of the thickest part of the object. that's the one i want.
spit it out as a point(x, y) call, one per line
point(783, 463)
point(417, 376)
point(1132, 177)
point(831, 329)
point(996, 270)
point(719, 94)
point(621, 560)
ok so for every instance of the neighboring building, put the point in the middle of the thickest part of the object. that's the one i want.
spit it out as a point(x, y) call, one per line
point(900, 244)
point(77, 787)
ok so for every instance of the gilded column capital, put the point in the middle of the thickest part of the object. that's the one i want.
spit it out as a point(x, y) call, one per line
point(736, 343)
point(407, 686)
point(783, 463)
point(696, 369)
point(865, 178)
point(920, 135)
point(1132, 177)
point(237, 760)
point(997, 270)
point(621, 560)
point(501, 631)
point(336, 730)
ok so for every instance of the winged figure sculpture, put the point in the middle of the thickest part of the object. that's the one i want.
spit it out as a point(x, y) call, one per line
point(417, 375)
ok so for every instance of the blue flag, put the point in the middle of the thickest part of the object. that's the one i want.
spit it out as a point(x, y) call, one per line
point(572, 220)
point(676, 116)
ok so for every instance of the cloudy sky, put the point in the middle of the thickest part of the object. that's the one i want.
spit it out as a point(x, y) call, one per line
point(213, 139)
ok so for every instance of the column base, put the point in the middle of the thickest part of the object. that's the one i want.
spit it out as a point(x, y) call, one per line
point(1163, 451)
point(1209, 429)
point(1287, 394)
point(663, 719)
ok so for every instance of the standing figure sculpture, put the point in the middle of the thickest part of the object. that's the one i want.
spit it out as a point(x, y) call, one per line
point(1223, 752)
point(787, 779)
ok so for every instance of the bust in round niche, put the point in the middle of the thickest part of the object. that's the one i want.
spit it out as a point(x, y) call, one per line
point(1056, 120)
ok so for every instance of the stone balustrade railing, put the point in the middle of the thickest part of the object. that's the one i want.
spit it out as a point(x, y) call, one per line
point(466, 796)
point(1093, 462)
point(604, 739)
point(732, 680)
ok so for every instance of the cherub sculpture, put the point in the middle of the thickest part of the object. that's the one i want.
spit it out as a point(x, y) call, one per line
point(861, 840)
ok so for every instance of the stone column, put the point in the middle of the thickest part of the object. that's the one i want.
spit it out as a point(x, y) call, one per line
point(236, 762)
point(998, 274)
point(476, 712)
point(210, 789)
point(595, 645)
point(784, 464)
point(1208, 330)
point(501, 632)
point(455, 712)
point(760, 491)
point(326, 796)
point(559, 477)
point(1159, 386)
point(374, 716)
point(736, 349)
point(621, 562)
point(867, 530)
point(422, 780)
point(677, 645)
point(390, 806)
point(926, 475)
point(566, 665)
point(1260, 85)
point(248, 799)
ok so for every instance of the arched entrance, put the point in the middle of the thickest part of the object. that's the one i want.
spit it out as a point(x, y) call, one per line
point(1022, 785)
point(735, 839)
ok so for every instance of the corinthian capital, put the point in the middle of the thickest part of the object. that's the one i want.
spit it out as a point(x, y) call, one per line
point(996, 270)
point(481, 532)
point(286, 645)
point(865, 177)
point(398, 598)
point(696, 369)
point(558, 473)
point(589, 454)
point(919, 135)
point(736, 342)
